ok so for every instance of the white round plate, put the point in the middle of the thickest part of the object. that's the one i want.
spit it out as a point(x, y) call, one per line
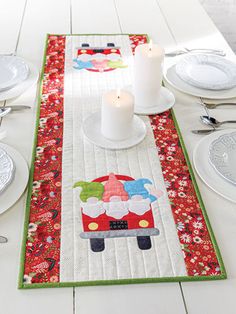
point(207, 172)
point(7, 170)
point(14, 191)
point(18, 89)
point(13, 70)
point(207, 71)
point(92, 130)
point(174, 80)
point(223, 156)
point(164, 103)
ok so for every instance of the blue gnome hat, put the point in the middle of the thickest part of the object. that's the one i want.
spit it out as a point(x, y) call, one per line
point(80, 65)
point(136, 187)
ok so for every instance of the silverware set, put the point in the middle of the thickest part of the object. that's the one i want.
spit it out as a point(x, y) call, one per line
point(211, 121)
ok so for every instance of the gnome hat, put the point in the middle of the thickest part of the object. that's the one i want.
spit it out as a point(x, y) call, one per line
point(137, 187)
point(114, 187)
point(90, 189)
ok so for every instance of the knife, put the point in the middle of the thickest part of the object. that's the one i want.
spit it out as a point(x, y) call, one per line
point(205, 131)
point(18, 107)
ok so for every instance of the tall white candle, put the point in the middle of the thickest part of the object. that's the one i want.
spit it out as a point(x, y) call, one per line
point(148, 61)
point(117, 115)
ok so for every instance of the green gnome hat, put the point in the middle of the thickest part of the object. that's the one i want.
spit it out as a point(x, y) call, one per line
point(90, 189)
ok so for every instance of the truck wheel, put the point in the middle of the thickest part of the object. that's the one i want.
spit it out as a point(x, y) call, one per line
point(110, 45)
point(85, 45)
point(144, 243)
point(97, 245)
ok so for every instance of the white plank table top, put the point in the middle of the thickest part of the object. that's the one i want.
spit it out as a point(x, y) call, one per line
point(24, 25)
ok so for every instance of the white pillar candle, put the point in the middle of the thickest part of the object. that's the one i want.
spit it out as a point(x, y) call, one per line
point(148, 61)
point(117, 115)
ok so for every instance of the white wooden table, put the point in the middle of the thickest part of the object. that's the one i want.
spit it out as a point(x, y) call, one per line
point(23, 26)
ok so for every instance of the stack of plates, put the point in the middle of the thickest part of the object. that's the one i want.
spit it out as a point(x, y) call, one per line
point(16, 75)
point(214, 159)
point(14, 174)
point(202, 75)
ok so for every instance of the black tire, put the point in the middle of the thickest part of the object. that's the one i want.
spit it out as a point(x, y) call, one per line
point(97, 245)
point(144, 243)
point(85, 45)
point(110, 45)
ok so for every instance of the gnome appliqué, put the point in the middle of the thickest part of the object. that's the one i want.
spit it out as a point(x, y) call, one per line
point(118, 206)
point(98, 59)
point(91, 196)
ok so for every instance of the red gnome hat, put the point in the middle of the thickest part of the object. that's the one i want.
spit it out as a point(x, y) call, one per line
point(114, 187)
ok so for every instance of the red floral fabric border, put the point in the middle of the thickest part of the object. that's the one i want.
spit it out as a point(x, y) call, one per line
point(43, 243)
point(42, 257)
point(199, 254)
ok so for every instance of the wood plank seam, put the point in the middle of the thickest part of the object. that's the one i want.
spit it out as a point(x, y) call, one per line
point(167, 24)
point(117, 14)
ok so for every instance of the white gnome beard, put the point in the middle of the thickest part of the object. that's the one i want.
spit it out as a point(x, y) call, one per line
point(116, 209)
point(85, 57)
point(93, 210)
point(114, 57)
point(139, 207)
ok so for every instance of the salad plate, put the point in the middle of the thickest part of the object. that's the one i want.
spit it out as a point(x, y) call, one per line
point(222, 156)
point(207, 172)
point(13, 192)
point(207, 71)
point(171, 77)
point(13, 70)
point(7, 170)
point(20, 88)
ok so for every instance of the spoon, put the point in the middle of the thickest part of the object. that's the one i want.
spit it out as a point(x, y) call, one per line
point(4, 111)
point(3, 239)
point(213, 122)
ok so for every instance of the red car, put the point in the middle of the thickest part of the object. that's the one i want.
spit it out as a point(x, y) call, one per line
point(117, 206)
point(98, 59)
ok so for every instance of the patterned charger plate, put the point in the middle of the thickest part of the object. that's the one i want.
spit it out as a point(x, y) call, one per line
point(7, 170)
point(222, 155)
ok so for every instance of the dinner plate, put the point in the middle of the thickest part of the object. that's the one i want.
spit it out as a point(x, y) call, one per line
point(14, 191)
point(171, 77)
point(92, 130)
point(13, 70)
point(223, 156)
point(207, 172)
point(7, 170)
point(18, 89)
point(207, 71)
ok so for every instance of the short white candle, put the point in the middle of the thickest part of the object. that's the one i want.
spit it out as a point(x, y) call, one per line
point(117, 115)
point(148, 61)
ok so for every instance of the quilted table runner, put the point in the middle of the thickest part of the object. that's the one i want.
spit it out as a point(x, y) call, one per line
point(96, 216)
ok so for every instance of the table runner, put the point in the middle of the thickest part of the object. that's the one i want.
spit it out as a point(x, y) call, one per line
point(95, 216)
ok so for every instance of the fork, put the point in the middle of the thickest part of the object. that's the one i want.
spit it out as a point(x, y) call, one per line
point(213, 106)
point(186, 50)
